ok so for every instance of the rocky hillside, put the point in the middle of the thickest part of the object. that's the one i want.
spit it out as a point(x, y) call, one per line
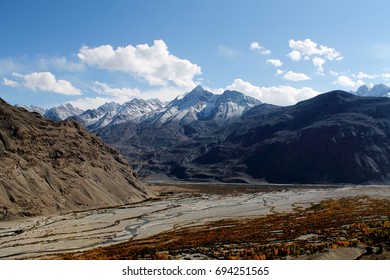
point(48, 166)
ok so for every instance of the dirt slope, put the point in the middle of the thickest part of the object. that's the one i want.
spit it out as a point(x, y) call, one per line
point(47, 167)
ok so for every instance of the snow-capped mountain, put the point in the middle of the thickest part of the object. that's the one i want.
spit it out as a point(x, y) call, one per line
point(228, 105)
point(379, 90)
point(62, 112)
point(102, 115)
point(200, 104)
point(137, 110)
point(185, 108)
point(112, 113)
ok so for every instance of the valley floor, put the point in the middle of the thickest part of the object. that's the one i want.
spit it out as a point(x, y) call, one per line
point(199, 221)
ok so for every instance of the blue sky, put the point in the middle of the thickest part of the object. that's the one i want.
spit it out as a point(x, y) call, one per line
point(91, 52)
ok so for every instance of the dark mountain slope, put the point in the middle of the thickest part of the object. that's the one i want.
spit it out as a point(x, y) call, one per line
point(47, 167)
point(335, 137)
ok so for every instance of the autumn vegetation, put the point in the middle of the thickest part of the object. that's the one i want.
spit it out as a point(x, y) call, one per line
point(346, 222)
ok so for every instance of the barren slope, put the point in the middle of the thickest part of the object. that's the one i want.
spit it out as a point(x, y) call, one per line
point(47, 167)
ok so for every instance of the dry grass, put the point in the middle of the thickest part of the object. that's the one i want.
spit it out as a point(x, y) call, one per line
point(346, 222)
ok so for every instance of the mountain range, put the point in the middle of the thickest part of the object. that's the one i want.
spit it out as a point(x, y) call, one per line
point(336, 137)
point(138, 109)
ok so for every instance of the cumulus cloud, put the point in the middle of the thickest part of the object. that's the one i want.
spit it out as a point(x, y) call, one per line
point(292, 76)
point(318, 63)
point(309, 50)
point(295, 55)
point(279, 72)
point(255, 46)
point(275, 62)
point(44, 81)
point(153, 64)
point(278, 95)
point(347, 82)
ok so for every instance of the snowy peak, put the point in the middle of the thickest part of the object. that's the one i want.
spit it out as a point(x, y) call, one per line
point(108, 106)
point(136, 110)
point(200, 104)
point(379, 90)
point(194, 98)
point(185, 108)
point(198, 88)
point(114, 113)
point(62, 112)
point(238, 97)
point(229, 105)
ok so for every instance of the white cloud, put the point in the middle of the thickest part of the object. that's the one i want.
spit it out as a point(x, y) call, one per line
point(362, 75)
point(153, 64)
point(292, 76)
point(275, 62)
point(295, 55)
point(334, 73)
point(386, 75)
point(347, 82)
point(255, 46)
point(278, 95)
point(44, 81)
point(309, 50)
point(10, 83)
point(318, 64)
point(279, 72)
